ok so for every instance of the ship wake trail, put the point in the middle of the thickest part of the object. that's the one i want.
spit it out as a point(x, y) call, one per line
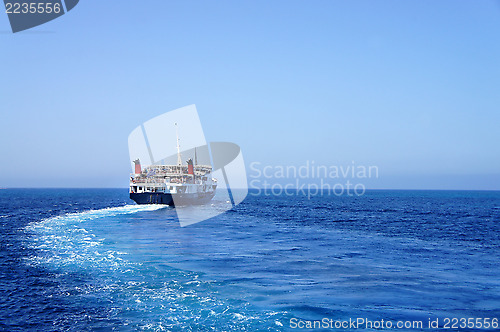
point(68, 240)
point(119, 257)
point(93, 214)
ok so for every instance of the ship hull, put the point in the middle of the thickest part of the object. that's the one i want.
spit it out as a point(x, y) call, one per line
point(169, 199)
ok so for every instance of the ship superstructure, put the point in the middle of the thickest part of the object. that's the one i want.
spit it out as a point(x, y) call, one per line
point(173, 184)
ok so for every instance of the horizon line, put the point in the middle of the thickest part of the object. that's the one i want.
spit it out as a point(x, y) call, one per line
point(264, 189)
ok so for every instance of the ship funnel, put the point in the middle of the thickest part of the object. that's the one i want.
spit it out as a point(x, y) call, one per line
point(137, 166)
point(190, 167)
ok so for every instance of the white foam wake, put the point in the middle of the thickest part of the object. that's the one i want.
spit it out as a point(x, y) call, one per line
point(144, 291)
point(93, 214)
point(67, 239)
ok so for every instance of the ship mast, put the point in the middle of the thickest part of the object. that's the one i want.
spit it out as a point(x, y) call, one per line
point(179, 159)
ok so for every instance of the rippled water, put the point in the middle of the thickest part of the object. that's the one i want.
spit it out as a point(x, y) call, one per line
point(89, 259)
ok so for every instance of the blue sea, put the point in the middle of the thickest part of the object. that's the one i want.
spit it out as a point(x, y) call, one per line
point(92, 260)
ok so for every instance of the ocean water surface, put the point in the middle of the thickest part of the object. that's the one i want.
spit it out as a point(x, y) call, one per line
point(90, 259)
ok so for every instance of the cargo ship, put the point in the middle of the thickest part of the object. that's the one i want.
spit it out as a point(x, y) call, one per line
point(189, 184)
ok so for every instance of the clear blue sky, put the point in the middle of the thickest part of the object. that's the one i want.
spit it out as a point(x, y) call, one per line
point(410, 86)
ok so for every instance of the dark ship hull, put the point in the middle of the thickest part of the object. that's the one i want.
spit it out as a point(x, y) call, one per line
point(171, 199)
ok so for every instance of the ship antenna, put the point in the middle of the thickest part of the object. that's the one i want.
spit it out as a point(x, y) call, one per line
point(179, 159)
point(195, 158)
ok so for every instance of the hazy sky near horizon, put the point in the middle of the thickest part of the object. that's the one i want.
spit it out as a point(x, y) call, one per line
point(409, 86)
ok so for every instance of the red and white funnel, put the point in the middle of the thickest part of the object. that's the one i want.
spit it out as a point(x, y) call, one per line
point(137, 166)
